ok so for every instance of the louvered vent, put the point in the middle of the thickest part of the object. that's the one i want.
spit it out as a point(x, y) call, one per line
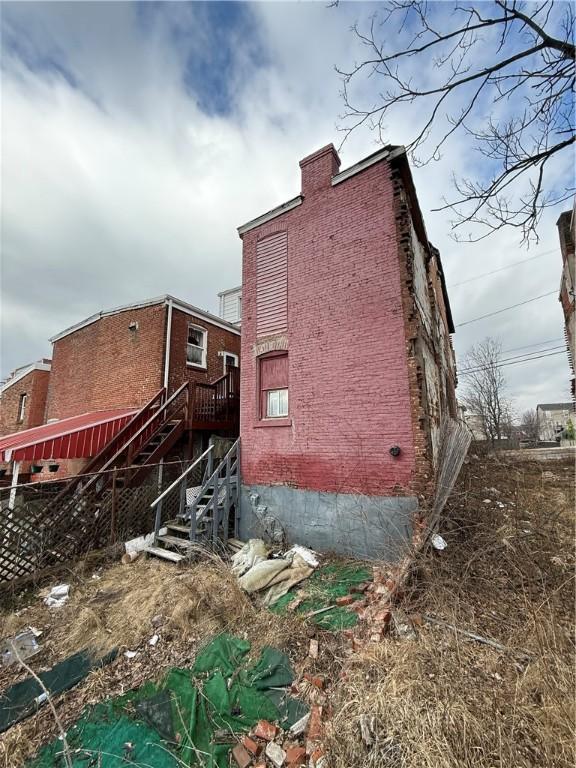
point(272, 284)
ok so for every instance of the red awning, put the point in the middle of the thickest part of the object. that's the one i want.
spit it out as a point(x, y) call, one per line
point(78, 437)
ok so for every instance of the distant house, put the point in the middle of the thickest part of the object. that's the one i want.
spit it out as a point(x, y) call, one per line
point(567, 232)
point(553, 419)
point(23, 397)
point(231, 305)
point(106, 368)
point(348, 369)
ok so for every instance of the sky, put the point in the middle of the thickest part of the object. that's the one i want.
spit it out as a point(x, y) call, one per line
point(136, 138)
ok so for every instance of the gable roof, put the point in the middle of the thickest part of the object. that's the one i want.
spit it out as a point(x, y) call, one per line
point(166, 299)
point(556, 406)
point(20, 373)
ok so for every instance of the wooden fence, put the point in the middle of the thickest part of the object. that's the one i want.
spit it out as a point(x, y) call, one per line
point(31, 540)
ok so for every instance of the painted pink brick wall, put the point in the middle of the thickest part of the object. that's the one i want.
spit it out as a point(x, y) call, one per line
point(349, 396)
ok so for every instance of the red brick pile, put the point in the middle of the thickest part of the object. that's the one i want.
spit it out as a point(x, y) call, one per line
point(268, 746)
point(375, 609)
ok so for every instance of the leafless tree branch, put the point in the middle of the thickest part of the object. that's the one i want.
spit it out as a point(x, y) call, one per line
point(492, 58)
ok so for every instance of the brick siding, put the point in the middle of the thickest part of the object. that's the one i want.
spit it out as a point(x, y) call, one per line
point(349, 386)
point(35, 386)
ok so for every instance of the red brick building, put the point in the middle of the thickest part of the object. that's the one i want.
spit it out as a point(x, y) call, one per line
point(348, 368)
point(23, 397)
point(567, 231)
point(112, 364)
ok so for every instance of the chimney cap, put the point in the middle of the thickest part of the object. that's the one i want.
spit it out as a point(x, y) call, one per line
point(328, 149)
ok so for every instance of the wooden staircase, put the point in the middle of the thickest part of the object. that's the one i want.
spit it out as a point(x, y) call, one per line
point(205, 510)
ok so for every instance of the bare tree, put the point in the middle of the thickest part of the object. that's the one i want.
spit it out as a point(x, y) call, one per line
point(500, 72)
point(529, 424)
point(485, 385)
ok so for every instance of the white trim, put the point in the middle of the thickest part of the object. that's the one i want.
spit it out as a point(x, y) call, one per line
point(204, 346)
point(382, 154)
point(223, 354)
point(22, 400)
point(207, 318)
point(230, 290)
point(176, 303)
point(167, 350)
point(278, 211)
point(24, 372)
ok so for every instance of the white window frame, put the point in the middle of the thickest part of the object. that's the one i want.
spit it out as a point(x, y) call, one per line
point(203, 348)
point(274, 402)
point(22, 400)
point(224, 355)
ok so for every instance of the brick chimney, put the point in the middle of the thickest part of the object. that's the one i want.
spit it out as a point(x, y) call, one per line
point(318, 169)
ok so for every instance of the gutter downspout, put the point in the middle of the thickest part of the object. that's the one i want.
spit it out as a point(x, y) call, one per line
point(167, 350)
point(165, 385)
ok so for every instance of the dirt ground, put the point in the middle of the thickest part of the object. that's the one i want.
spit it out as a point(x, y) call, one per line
point(438, 699)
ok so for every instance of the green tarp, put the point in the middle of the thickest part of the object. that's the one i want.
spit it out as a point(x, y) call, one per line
point(322, 589)
point(190, 718)
point(24, 698)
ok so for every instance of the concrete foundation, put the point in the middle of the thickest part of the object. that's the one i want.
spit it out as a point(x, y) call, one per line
point(368, 527)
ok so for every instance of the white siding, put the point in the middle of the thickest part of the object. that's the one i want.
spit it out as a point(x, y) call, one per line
point(231, 306)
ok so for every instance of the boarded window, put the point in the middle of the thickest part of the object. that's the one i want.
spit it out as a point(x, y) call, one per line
point(274, 386)
point(272, 284)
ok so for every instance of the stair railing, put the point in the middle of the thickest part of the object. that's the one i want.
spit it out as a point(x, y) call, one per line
point(180, 481)
point(128, 450)
point(217, 482)
point(95, 464)
point(217, 401)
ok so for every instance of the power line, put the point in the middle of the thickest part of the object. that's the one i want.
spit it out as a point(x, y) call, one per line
point(517, 362)
point(536, 344)
point(526, 355)
point(501, 269)
point(505, 309)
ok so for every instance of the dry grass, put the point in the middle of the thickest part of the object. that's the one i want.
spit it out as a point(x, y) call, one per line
point(440, 701)
point(122, 609)
point(445, 702)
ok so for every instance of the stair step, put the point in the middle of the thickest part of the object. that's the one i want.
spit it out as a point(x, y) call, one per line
point(181, 528)
point(175, 526)
point(175, 541)
point(166, 554)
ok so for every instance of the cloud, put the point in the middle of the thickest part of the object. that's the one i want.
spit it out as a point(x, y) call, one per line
point(133, 149)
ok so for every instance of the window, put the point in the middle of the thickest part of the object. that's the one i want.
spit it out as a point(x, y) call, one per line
point(276, 403)
point(230, 359)
point(274, 386)
point(22, 406)
point(196, 346)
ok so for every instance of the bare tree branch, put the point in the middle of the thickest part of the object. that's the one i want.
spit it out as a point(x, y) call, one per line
point(522, 54)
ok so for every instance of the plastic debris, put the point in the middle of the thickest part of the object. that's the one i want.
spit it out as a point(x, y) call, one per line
point(438, 542)
point(130, 654)
point(300, 725)
point(20, 647)
point(57, 596)
point(308, 555)
point(153, 640)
